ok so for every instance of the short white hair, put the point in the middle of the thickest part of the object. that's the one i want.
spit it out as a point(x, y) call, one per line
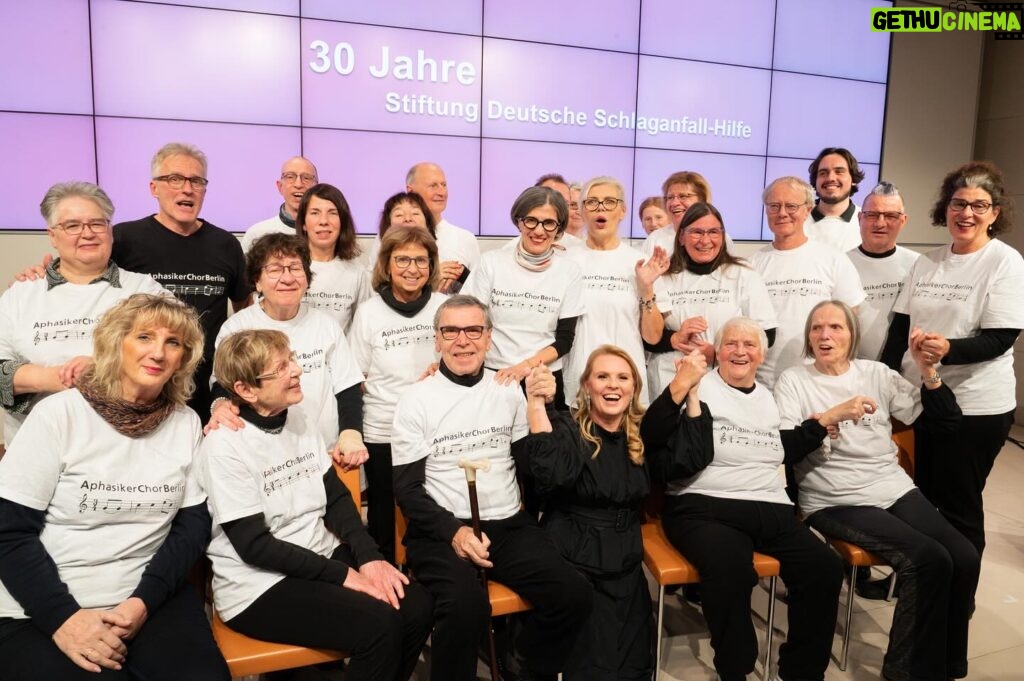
point(747, 324)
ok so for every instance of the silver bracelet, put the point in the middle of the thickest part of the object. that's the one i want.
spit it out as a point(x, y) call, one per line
point(934, 379)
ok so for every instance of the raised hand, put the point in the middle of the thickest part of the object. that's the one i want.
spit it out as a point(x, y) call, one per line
point(540, 383)
point(648, 272)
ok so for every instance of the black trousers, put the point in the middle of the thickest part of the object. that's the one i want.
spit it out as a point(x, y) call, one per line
point(384, 643)
point(938, 574)
point(525, 560)
point(718, 536)
point(380, 498)
point(175, 643)
point(951, 469)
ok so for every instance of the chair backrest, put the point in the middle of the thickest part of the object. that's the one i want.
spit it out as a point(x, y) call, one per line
point(400, 526)
point(351, 480)
point(903, 436)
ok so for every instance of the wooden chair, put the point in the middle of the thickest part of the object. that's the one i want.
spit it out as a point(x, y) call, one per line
point(669, 567)
point(855, 556)
point(248, 656)
point(504, 601)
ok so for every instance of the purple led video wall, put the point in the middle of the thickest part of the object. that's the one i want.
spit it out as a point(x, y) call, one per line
point(496, 92)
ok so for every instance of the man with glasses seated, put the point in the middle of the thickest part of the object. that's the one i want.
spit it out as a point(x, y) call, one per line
point(297, 175)
point(798, 272)
point(463, 413)
point(883, 266)
point(199, 263)
point(834, 175)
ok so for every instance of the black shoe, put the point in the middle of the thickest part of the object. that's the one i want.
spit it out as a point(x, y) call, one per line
point(876, 590)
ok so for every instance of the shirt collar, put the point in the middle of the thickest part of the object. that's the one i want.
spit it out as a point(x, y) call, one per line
point(288, 220)
point(845, 216)
point(111, 275)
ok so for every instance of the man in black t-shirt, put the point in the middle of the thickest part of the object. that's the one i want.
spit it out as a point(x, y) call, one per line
point(198, 262)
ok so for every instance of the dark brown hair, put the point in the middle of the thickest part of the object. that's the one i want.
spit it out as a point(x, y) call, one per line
point(681, 259)
point(345, 247)
point(982, 175)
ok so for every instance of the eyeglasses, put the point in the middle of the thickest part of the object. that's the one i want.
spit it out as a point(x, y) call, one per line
point(699, 234)
point(607, 204)
point(292, 177)
point(776, 208)
point(679, 197)
point(404, 261)
point(282, 369)
point(472, 332)
point(574, 205)
point(531, 222)
point(872, 215)
point(75, 227)
point(178, 181)
point(297, 270)
point(978, 207)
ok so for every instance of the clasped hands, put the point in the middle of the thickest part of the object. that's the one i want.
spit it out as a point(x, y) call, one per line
point(95, 639)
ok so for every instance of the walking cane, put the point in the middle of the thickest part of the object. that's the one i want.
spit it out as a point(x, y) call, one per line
point(471, 467)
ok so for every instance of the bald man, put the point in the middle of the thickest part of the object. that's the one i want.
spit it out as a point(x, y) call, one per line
point(297, 175)
point(458, 248)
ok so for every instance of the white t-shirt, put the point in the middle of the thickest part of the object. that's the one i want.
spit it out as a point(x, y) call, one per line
point(834, 231)
point(957, 296)
point(748, 449)
point(248, 471)
point(49, 327)
point(456, 243)
point(444, 422)
point(613, 312)
point(109, 499)
point(338, 287)
point(797, 280)
point(861, 468)
point(883, 279)
point(729, 291)
point(525, 306)
point(320, 348)
point(664, 237)
point(392, 351)
point(272, 225)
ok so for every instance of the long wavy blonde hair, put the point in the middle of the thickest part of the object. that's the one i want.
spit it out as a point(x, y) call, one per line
point(631, 419)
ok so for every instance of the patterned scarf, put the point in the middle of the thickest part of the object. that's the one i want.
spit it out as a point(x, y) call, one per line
point(128, 418)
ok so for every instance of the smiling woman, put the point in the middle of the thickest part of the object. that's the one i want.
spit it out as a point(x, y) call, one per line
point(967, 298)
point(592, 471)
point(103, 588)
point(46, 326)
point(392, 338)
point(703, 287)
point(340, 283)
point(531, 328)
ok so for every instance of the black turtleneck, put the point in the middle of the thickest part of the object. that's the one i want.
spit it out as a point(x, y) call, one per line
point(409, 309)
point(272, 424)
point(466, 380)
